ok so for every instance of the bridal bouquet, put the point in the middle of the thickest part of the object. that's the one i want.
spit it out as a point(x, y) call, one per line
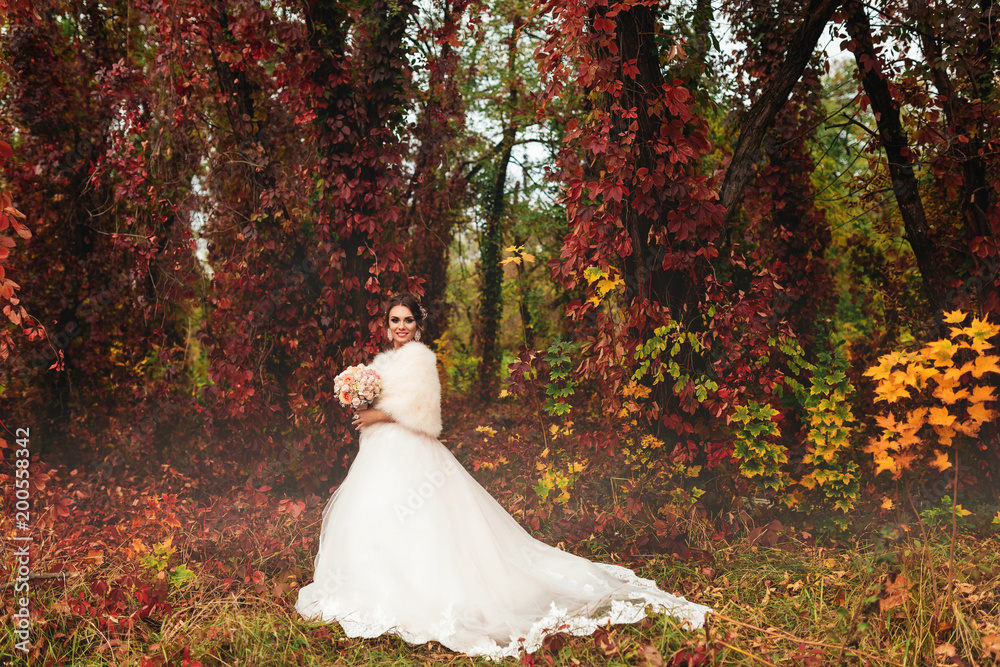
point(357, 386)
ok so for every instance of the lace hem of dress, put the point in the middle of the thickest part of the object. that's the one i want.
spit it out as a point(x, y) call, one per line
point(642, 593)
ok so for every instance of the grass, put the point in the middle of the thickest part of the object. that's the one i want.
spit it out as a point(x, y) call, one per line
point(788, 605)
point(872, 598)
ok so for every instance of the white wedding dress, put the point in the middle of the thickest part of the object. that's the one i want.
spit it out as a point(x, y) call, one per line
point(411, 544)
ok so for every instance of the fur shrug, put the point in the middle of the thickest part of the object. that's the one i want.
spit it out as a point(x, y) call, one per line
point(411, 390)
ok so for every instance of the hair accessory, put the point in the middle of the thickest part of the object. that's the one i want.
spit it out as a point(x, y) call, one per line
point(416, 336)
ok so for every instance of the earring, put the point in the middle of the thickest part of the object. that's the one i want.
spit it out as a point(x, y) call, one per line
point(388, 335)
point(416, 336)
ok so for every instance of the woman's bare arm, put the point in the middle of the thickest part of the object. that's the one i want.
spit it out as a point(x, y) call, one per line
point(369, 416)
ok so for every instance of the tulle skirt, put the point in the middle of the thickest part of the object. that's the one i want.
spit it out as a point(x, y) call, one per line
point(411, 544)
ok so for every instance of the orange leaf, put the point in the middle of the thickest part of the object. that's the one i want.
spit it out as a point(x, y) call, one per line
point(981, 330)
point(885, 364)
point(980, 394)
point(940, 351)
point(940, 461)
point(879, 446)
point(944, 651)
point(906, 439)
point(887, 422)
point(897, 592)
point(891, 393)
point(941, 417)
point(946, 392)
point(954, 374)
point(969, 428)
point(946, 434)
point(980, 346)
point(883, 462)
point(986, 364)
point(904, 461)
point(979, 413)
point(915, 419)
point(991, 645)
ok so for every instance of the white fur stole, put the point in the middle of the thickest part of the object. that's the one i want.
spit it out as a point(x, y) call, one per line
point(411, 390)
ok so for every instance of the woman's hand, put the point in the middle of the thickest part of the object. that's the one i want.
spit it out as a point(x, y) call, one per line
point(369, 416)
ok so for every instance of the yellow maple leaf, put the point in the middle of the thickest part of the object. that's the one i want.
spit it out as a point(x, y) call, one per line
point(979, 413)
point(945, 434)
point(891, 393)
point(955, 373)
point(980, 346)
point(954, 317)
point(887, 503)
point(907, 439)
point(940, 461)
point(914, 375)
point(884, 367)
point(878, 446)
point(940, 351)
point(885, 463)
point(980, 394)
point(985, 364)
point(915, 419)
point(940, 417)
point(980, 329)
point(904, 461)
point(887, 422)
point(880, 372)
point(969, 428)
point(946, 392)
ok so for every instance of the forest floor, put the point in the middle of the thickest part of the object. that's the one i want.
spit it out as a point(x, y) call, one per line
point(795, 605)
point(159, 572)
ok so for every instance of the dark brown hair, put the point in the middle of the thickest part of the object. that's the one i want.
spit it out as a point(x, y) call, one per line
point(411, 302)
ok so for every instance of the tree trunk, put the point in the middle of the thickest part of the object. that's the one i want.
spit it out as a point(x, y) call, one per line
point(894, 142)
point(438, 189)
point(368, 108)
point(975, 195)
point(773, 96)
point(491, 298)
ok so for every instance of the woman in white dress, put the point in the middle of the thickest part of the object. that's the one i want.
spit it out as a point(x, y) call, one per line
point(411, 544)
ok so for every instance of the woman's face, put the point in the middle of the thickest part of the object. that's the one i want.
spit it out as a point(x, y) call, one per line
point(402, 325)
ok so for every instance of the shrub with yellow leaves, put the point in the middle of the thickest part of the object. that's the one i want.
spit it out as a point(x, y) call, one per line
point(941, 392)
point(826, 402)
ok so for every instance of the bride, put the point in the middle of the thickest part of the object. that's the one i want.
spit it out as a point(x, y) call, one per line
point(411, 544)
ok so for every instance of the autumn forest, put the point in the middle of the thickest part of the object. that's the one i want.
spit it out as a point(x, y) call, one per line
point(714, 289)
